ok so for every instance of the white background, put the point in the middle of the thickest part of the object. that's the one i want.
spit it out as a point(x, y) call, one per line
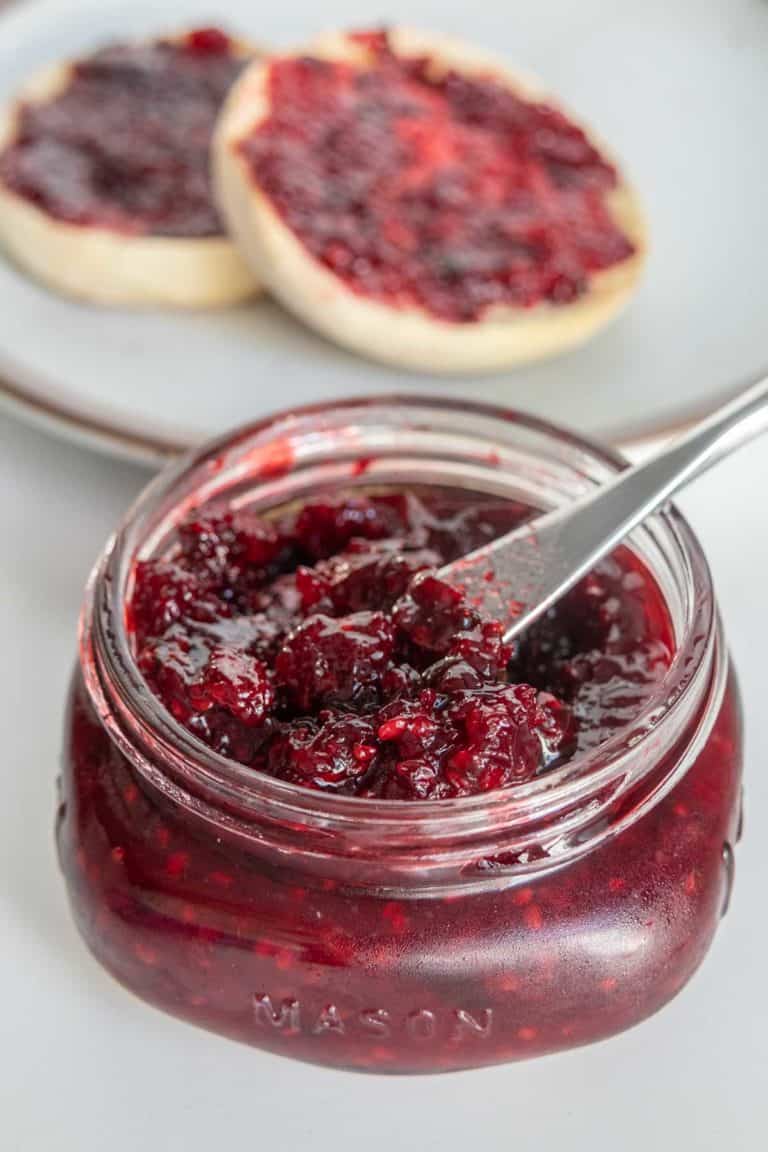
point(84, 1067)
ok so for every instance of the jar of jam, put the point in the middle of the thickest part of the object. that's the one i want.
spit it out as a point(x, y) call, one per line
point(311, 802)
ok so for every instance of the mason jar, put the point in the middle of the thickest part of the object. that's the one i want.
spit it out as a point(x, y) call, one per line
point(388, 935)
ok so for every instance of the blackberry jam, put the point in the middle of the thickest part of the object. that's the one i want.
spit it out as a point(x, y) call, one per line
point(311, 801)
point(125, 144)
point(432, 188)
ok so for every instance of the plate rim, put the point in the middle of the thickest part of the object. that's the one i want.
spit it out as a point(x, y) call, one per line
point(109, 437)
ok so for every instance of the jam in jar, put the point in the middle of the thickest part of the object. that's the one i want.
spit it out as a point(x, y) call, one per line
point(310, 798)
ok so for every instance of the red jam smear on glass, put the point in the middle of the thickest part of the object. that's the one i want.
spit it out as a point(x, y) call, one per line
point(439, 190)
point(318, 646)
point(125, 145)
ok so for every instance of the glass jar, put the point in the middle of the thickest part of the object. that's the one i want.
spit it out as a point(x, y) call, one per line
point(392, 935)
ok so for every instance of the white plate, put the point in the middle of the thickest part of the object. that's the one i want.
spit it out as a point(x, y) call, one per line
point(678, 89)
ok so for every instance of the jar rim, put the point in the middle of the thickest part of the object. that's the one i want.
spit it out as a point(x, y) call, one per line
point(126, 704)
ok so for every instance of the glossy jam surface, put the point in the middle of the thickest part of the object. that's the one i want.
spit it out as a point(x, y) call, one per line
point(125, 145)
point(319, 647)
point(441, 191)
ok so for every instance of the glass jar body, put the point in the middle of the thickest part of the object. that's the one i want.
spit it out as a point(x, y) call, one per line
point(307, 967)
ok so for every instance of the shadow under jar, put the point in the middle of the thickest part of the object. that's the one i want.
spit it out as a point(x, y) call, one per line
point(390, 935)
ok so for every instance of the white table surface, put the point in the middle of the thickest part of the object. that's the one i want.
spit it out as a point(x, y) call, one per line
point(85, 1067)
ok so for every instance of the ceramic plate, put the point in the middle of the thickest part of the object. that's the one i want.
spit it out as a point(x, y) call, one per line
point(677, 88)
